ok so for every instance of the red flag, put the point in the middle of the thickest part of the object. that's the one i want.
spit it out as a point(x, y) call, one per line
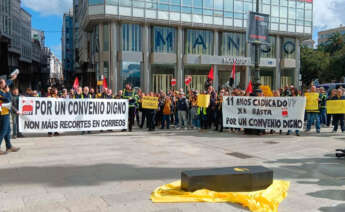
point(105, 84)
point(210, 74)
point(173, 82)
point(76, 83)
point(249, 88)
point(233, 70)
point(188, 80)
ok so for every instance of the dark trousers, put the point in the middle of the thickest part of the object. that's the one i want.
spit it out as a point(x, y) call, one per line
point(143, 118)
point(150, 119)
point(137, 116)
point(329, 117)
point(15, 126)
point(5, 131)
point(203, 121)
point(166, 118)
point(219, 120)
point(210, 117)
point(336, 119)
point(131, 118)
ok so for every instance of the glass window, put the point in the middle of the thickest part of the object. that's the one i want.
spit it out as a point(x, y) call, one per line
point(275, 2)
point(266, 1)
point(208, 4)
point(308, 15)
point(186, 9)
point(95, 2)
point(164, 7)
point(164, 39)
point(275, 11)
point(300, 4)
point(229, 5)
point(269, 51)
point(238, 6)
point(228, 14)
point(106, 73)
point(198, 3)
point(283, 3)
point(233, 44)
point(106, 37)
point(292, 4)
point(292, 13)
point(125, 2)
point(300, 14)
point(175, 2)
point(175, 8)
point(139, 4)
point(283, 12)
point(197, 11)
point(187, 2)
point(131, 73)
point(112, 2)
point(218, 4)
point(266, 9)
point(131, 37)
point(308, 6)
point(247, 7)
point(208, 12)
point(199, 42)
point(289, 48)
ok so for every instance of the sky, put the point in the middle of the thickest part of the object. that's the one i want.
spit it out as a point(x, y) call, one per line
point(47, 16)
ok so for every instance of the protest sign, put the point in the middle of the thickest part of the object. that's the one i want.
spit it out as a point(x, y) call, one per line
point(312, 101)
point(335, 106)
point(150, 102)
point(203, 100)
point(275, 113)
point(62, 115)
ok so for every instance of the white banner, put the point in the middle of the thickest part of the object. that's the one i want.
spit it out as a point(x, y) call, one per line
point(66, 115)
point(271, 113)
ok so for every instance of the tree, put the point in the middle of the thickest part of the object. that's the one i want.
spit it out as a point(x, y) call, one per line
point(335, 43)
point(314, 63)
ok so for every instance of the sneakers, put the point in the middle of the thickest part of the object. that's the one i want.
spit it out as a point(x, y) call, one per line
point(3, 153)
point(13, 149)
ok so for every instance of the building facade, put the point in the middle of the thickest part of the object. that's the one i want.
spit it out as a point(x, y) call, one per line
point(323, 36)
point(5, 34)
point(149, 42)
point(67, 48)
point(308, 43)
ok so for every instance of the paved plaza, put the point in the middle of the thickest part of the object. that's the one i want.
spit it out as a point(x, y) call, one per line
point(117, 171)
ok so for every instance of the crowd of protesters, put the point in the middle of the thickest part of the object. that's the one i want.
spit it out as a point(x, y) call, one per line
point(176, 107)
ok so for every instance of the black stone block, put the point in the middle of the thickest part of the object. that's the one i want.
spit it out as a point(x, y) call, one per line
point(230, 179)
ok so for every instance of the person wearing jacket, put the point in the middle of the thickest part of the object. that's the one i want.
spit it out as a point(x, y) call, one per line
point(338, 118)
point(323, 114)
point(129, 93)
point(5, 131)
point(15, 114)
point(166, 108)
point(182, 108)
point(313, 115)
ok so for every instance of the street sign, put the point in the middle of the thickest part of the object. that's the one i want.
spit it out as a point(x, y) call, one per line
point(257, 32)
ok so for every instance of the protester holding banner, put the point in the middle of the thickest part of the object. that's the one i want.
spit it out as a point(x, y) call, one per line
point(339, 117)
point(15, 113)
point(312, 109)
point(129, 94)
point(193, 105)
point(323, 114)
point(5, 100)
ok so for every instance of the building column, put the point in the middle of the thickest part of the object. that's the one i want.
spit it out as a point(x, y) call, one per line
point(101, 59)
point(118, 76)
point(179, 71)
point(146, 66)
point(298, 64)
point(113, 56)
point(215, 53)
point(247, 73)
point(277, 73)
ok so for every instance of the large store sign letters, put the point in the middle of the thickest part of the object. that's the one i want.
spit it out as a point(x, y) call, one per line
point(160, 40)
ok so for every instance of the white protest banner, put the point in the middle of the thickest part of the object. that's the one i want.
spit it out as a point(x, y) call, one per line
point(271, 113)
point(66, 115)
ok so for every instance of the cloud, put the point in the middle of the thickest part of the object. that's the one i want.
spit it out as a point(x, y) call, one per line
point(48, 7)
point(328, 13)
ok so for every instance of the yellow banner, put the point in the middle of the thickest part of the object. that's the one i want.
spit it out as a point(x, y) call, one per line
point(266, 90)
point(149, 102)
point(335, 106)
point(312, 101)
point(203, 100)
point(100, 82)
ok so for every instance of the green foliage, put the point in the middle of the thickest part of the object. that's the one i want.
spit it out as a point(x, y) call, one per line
point(325, 63)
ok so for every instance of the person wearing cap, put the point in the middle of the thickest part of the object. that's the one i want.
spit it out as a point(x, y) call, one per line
point(5, 130)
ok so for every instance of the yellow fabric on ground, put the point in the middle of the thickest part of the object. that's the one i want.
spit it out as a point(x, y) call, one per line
point(258, 201)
